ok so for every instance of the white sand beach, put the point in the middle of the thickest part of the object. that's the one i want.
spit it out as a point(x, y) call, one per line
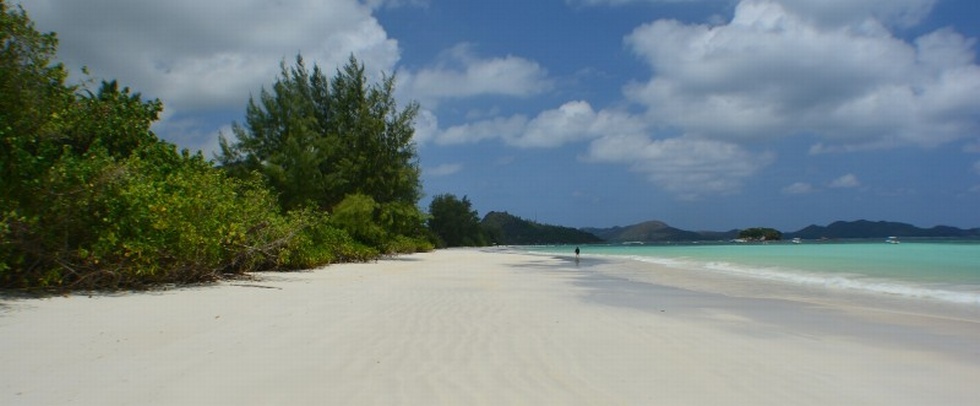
point(465, 327)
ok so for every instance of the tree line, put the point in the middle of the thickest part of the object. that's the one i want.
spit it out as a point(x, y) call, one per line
point(322, 170)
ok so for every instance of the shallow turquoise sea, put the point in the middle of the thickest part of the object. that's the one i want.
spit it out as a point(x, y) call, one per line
point(943, 270)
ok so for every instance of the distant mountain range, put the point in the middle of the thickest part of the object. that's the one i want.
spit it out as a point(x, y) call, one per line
point(879, 229)
point(656, 231)
point(506, 229)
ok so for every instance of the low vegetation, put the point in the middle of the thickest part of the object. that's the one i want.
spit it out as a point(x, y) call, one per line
point(90, 198)
point(760, 234)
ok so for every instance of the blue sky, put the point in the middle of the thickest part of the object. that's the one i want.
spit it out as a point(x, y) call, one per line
point(705, 114)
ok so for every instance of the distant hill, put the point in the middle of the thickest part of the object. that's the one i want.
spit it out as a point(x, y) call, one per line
point(506, 229)
point(657, 231)
point(645, 232)
point(879, 229)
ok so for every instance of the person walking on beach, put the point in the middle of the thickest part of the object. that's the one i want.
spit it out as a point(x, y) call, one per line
point(576, 252)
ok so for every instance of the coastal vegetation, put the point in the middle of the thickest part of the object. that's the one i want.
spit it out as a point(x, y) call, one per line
point(335, 145)
point(503, 228)
point(322, 171)
point(760, 234)
point(455, 223)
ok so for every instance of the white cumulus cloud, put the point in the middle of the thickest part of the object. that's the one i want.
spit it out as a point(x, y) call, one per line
point(688, 167)
point(836, 12)
point(798, 188)
point(773, 71)
point(460, 73)
point(846, 182)
point(207, 57)
point(444, 169)
point(212, 54)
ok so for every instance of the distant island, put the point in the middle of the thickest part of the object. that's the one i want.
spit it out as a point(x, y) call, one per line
point(655, 231)
point(880, 229)
point(507, 229)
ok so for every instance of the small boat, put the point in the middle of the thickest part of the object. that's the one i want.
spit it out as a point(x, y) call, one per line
point(797, 240)
point(893, 240)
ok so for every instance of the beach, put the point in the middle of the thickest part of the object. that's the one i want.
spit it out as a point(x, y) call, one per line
point(491, 326)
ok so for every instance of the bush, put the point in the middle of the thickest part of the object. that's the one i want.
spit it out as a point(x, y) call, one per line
point(320, 243)
point(91, 198)
point(154, 217)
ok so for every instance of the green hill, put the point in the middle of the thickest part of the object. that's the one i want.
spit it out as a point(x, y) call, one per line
point(506, 229)
point(880, 229)
point(646, 232)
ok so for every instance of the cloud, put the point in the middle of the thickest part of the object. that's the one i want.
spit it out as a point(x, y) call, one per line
point(213, 54)
point(192, 134)
point(688, 167)
point(775, 72)
point(798, 188)
point(444, 170)
point(848, 181)
point(972, 147)
point(574, 121)
point(460, 73)
point(624, 2)
point(825, 12)
point(837, 12)
point(377, 4)
point(204, 59)
point(496, 128)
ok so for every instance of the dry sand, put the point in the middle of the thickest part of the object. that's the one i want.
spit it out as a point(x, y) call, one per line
point(471, 327)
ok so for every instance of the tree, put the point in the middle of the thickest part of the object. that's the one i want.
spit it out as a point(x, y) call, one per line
point(90, 198)
point(33, 97)
point(318, 140)
point(455, 222)
point(761, 234)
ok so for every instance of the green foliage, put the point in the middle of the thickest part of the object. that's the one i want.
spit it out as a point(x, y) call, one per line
point(32, 99)
point(339, 145)
point(506, 229)
point(389, 228)
point(154, 217)
point(320, 243)
point(32, 89)
point(356, 215)
point(112, 118)
point(454, 222)
point(761, 234)
point(92, 199)
point(318, 140)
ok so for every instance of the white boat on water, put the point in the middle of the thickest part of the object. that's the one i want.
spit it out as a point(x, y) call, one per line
point(893, 240)
point(797, 240)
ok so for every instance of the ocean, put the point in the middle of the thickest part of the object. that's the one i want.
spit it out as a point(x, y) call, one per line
point(943, 270)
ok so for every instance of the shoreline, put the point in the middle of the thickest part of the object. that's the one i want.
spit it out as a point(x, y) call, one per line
point(919, 322)
point(786, 287)
point(476, 326)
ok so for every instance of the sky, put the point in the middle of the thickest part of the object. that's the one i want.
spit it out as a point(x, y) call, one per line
point(704, 114)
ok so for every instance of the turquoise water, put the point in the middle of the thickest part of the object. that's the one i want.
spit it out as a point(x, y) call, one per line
point(934, 269)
